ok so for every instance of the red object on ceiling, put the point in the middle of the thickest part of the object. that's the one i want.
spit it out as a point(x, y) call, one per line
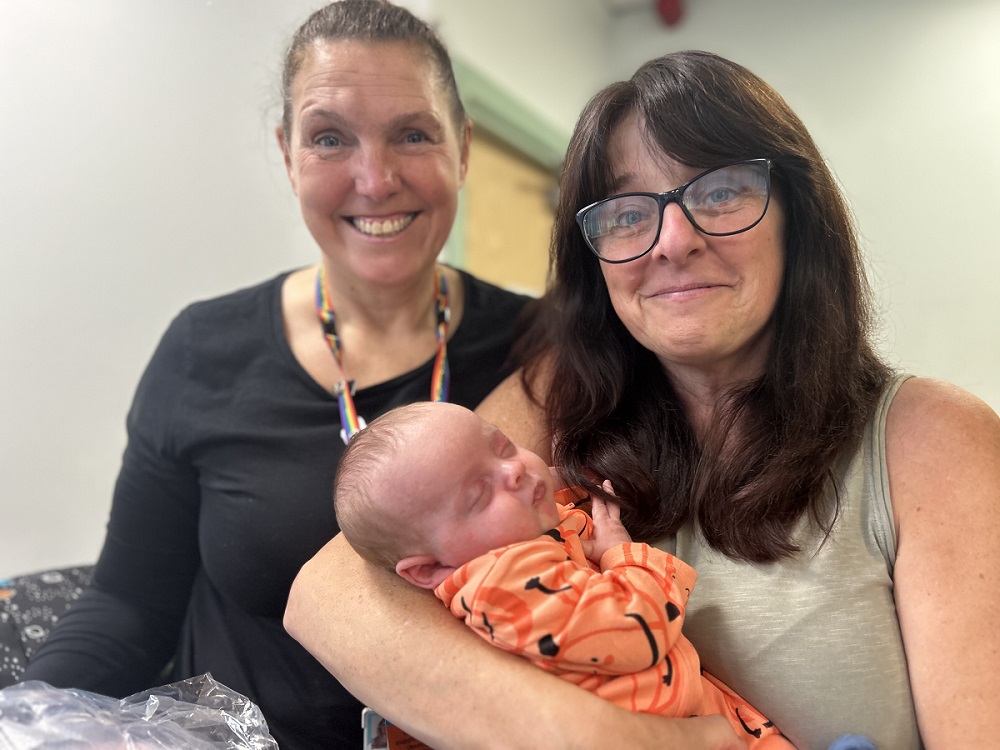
point(670, 11)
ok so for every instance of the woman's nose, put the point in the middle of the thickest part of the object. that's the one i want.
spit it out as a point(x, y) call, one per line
point(679, 239)
point(375, 173)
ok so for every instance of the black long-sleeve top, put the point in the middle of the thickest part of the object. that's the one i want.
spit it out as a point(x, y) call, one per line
point(224, 493)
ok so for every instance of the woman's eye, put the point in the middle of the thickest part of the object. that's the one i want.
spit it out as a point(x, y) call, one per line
point(720, 195)
point(628, 218)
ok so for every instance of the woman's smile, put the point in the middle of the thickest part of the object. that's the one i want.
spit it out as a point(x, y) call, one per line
point(387, 226)
point(686, 292)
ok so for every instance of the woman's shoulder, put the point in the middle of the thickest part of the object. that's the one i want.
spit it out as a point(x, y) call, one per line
point(252, 298)
point(492, 317)
point(925, 409)
point(942, 442)
point(485, 296)
point(224, 326)
point(244, 313)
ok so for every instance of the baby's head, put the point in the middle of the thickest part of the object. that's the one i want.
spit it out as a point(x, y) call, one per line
point(427, 487)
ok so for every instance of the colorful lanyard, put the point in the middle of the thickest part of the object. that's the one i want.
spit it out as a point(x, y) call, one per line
point(344, 391)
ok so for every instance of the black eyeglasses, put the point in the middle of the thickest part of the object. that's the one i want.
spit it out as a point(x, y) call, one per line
point(720, 202)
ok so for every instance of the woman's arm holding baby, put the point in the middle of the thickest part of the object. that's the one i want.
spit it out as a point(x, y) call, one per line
point(401, 652)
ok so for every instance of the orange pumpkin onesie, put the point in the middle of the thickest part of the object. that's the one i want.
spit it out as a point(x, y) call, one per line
point(613, 630)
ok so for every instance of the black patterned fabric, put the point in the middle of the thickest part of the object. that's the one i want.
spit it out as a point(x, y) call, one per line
point(30, 606)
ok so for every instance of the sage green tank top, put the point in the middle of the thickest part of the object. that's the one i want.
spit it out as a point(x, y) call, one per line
point(813, 642)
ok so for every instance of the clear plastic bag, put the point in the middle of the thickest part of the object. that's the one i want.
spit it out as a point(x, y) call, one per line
point(194, 714)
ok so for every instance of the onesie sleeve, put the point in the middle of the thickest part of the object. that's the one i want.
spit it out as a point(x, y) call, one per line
point(124, 629)
point(533, 599)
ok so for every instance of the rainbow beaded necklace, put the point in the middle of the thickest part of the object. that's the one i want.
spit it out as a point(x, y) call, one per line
point(344, 390)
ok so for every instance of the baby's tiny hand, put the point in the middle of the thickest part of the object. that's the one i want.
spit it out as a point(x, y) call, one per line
point(608, 528)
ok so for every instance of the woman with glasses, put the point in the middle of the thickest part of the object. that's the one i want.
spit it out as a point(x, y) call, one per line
point(707, 347)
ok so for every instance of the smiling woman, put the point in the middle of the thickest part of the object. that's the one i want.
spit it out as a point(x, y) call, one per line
point(696, 296)
point(373, 151)
point(242, 415)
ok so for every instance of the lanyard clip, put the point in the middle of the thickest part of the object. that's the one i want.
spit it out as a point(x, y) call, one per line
point(329, 328)
point(339, 387)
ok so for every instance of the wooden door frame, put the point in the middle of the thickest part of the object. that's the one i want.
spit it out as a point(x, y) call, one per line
point(511, 120)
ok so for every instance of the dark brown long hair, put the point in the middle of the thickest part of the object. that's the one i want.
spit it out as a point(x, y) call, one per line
point(610, 404)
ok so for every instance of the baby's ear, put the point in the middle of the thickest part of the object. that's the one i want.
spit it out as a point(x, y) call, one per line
point(423, 570)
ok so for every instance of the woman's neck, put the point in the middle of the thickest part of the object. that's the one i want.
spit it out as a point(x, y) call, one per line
point(381, 310)
point(384, 331)
point(702, 390)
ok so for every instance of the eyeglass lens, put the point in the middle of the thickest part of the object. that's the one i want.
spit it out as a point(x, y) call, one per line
point(724, 201)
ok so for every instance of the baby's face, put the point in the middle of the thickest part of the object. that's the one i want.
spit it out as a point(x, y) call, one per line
point(477, 489)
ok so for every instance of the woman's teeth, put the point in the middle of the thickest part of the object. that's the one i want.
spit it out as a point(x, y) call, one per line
point(382, 227)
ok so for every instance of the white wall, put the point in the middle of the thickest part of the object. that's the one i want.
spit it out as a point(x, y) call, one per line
point(138, 172)
point(552, 53)
point(904, 101)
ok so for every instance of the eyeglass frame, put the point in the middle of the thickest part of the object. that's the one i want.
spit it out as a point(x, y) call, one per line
point(676, 196)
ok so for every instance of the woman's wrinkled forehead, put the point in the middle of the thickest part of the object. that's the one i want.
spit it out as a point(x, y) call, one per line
point(631, 146)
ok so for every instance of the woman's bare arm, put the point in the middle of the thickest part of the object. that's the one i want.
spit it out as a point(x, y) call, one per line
point(401, 652)
point(943, 452)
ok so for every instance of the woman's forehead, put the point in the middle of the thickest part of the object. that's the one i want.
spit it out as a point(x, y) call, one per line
point(634, 156)
point(355, 63)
